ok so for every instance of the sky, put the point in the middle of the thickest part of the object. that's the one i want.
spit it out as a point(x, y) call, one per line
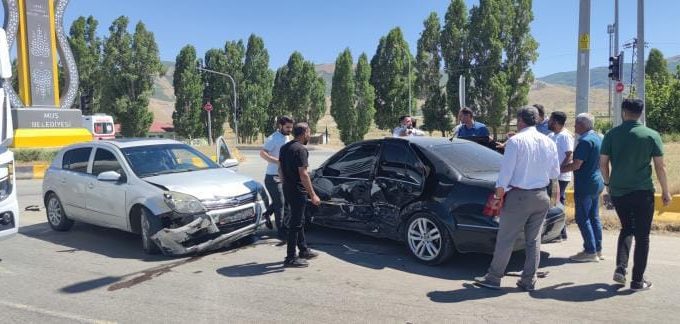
point(321, 29)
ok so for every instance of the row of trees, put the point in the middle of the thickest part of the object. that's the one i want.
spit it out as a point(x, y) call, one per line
point(294, 90)
point(117, 73)
point(490, 45)
point(662, 94)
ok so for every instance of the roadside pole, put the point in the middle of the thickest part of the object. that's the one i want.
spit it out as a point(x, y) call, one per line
point(583, 60)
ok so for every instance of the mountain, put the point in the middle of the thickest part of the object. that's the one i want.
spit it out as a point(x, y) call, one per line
point(599, 76)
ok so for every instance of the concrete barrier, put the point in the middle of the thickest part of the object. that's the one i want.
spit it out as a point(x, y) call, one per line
point(670, 214)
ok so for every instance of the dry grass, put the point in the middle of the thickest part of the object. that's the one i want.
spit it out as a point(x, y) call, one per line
point(672, 160)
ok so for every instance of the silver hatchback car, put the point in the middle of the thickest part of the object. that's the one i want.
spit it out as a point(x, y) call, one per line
point(178, 199)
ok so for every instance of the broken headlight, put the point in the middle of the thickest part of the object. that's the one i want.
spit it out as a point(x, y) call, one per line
point(6, 180)
point(183, 203)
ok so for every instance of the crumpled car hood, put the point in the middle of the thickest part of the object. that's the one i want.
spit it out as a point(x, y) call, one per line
point(206, 184)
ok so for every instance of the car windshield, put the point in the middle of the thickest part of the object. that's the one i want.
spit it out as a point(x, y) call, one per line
point(469, 158)
point(153, 160)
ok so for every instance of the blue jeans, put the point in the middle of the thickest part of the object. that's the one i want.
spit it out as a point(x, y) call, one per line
point(588, 220)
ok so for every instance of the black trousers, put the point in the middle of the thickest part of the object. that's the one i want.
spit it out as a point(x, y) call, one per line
point(276, 207)
point(635, 211)
point(296, 232)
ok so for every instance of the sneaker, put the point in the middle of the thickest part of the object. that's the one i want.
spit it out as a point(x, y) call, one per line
point(619, 278)
point(599, 256)
point(308, 254)
point(526, 286)
point(295, 263)
point(584, 257)
point(640, 285)
point(486, 283)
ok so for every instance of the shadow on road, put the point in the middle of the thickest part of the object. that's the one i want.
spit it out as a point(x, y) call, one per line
point(582, 293)
point(251, 269)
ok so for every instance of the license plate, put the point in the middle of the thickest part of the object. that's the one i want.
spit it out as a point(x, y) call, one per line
point(237, 216)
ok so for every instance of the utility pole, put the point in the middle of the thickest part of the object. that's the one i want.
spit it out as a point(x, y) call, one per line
point(409, 83)
point(610, 32)
point(583, 61)
point(616, 109)
point(641, 54)
point(233, 83)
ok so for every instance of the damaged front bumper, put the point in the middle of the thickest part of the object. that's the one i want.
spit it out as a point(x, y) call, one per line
point(208, 231)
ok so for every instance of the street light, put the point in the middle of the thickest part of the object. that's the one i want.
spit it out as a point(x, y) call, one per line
point(233, 83)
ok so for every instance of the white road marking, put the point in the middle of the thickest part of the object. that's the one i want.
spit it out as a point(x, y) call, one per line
point(52, 313)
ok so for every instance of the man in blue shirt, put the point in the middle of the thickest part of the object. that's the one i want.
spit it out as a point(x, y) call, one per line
point(470, 127)
point(542, 125)
point(588, 185)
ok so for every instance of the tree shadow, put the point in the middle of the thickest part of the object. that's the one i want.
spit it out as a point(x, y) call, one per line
point(581, 293)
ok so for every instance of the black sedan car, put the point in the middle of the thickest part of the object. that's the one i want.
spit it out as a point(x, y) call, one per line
point(427, 192)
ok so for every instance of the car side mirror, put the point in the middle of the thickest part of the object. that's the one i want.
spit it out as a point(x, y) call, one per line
point(109, 176)
point(230, 164)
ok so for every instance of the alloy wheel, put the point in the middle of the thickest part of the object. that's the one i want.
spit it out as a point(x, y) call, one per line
point(424, 239)
point(54, 211)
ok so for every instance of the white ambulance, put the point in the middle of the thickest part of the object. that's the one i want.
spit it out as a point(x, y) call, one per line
point(101, 126)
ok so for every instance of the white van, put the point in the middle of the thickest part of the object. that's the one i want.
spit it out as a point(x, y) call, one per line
point(101, 126)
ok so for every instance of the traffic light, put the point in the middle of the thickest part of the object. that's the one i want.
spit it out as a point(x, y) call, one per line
point(616, 67)
point(86, 105)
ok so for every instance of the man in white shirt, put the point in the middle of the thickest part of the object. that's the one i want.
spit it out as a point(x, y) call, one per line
point(565, 149)
point(529, 163)
point(270, 153)
point(406, 128)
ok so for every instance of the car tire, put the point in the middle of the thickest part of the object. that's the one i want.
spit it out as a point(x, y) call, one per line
point(428, 239)
point(56, 216)
point(149, 225)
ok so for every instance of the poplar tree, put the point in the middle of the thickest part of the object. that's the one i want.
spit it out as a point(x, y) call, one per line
point(188, 87)
point(390, 76)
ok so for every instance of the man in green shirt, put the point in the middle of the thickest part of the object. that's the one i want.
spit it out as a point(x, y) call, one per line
point(630, 148)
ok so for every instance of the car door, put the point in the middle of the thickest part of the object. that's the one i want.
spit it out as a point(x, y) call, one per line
point(344, 185)
point(72, 182)
point(224, 156)
point(106, 200)
point(399, 180)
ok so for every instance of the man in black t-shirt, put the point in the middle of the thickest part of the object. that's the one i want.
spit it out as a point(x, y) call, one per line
point(293, 163)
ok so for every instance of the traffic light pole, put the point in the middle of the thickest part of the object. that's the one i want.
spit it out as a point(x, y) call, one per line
point(616, 108)
point(640, 88)
point(233, 83)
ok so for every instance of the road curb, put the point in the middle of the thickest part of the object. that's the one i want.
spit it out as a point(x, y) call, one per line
point(30, 172)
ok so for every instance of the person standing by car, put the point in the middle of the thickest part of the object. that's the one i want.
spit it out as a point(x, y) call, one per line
point(565, 148)
point(297, 185)
point(270, 153)
point(406, 128)
point(629, 148)
point(528, 165)
point(587, 188)
point(542, 124)
point(469, 126)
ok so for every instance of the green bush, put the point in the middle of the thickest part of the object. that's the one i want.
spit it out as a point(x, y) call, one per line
point(670, 137)
point(603, 125)
point(32, 155)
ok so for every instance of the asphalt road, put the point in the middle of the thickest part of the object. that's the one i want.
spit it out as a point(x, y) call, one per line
point(93, 274)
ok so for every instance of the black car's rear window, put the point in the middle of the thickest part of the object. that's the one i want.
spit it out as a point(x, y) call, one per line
point(469, 158)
